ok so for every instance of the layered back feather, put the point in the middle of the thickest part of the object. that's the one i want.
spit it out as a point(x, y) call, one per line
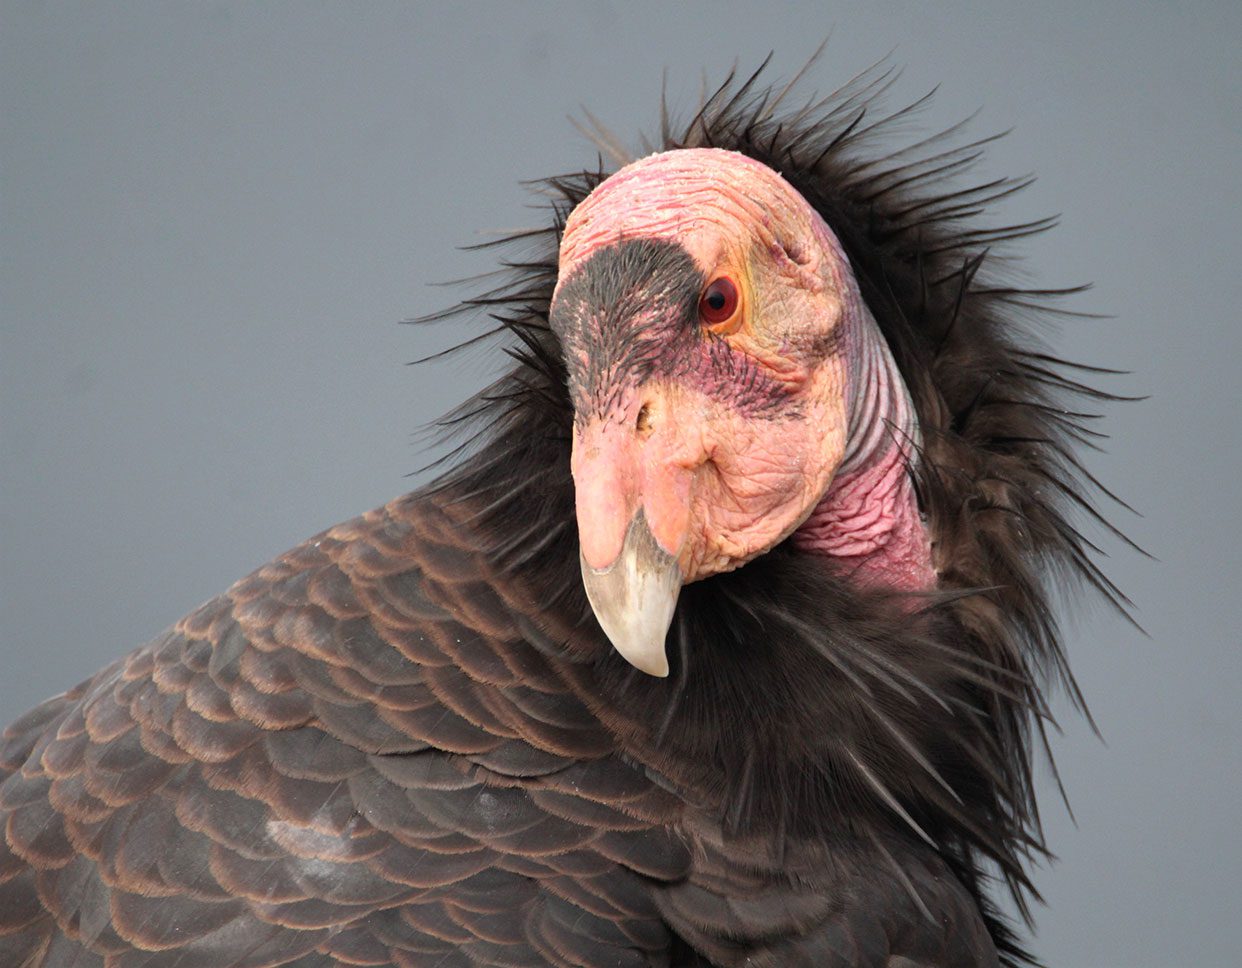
point(803, 709)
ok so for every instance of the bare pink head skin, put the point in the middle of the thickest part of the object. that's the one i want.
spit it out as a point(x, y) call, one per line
point(823, 455)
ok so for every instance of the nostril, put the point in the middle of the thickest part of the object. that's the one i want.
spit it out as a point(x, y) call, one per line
point(643, 424)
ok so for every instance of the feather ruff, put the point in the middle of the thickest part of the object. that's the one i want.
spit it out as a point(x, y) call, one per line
point(798, 706)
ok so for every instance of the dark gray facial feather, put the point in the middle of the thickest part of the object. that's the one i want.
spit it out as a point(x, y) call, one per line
point(629, 314)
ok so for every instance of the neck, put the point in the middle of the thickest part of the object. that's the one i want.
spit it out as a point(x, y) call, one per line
point(868, 521)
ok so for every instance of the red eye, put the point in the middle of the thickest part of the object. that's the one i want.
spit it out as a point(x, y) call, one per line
point(718, 304)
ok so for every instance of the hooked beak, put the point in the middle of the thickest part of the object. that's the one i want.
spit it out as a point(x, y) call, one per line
point(633, 493)
point(634, 597)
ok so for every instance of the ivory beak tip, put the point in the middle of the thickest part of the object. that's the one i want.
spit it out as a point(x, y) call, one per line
point(634, 598)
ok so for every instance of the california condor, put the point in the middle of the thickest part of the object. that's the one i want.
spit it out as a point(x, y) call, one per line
point(724, 639)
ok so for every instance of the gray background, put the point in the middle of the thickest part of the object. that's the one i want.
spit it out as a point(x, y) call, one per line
point(214, 215)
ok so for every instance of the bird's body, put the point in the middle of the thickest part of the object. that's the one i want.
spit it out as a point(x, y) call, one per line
point(371, 750)
point(408, 742)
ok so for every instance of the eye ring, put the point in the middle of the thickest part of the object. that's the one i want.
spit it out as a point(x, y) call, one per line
point(719, 304)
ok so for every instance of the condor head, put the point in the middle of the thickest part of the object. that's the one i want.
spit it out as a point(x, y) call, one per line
point(731, 391)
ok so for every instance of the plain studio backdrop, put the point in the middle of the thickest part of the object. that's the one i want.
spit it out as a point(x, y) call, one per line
point(214, 216)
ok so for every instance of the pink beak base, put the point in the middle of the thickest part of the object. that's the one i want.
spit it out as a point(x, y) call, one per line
point(617, 474)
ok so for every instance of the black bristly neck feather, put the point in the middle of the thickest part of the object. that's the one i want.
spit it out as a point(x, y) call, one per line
point(800, 704)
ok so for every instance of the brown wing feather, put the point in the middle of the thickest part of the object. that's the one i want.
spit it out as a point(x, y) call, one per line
point(350, 757)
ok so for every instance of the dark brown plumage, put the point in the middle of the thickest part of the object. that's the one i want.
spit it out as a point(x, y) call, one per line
point(406, 742)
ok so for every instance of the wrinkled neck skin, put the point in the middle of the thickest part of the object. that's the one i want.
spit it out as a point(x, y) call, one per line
point(868, 522)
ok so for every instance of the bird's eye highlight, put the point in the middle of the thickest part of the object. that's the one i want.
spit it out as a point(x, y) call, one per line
point(719, 303)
